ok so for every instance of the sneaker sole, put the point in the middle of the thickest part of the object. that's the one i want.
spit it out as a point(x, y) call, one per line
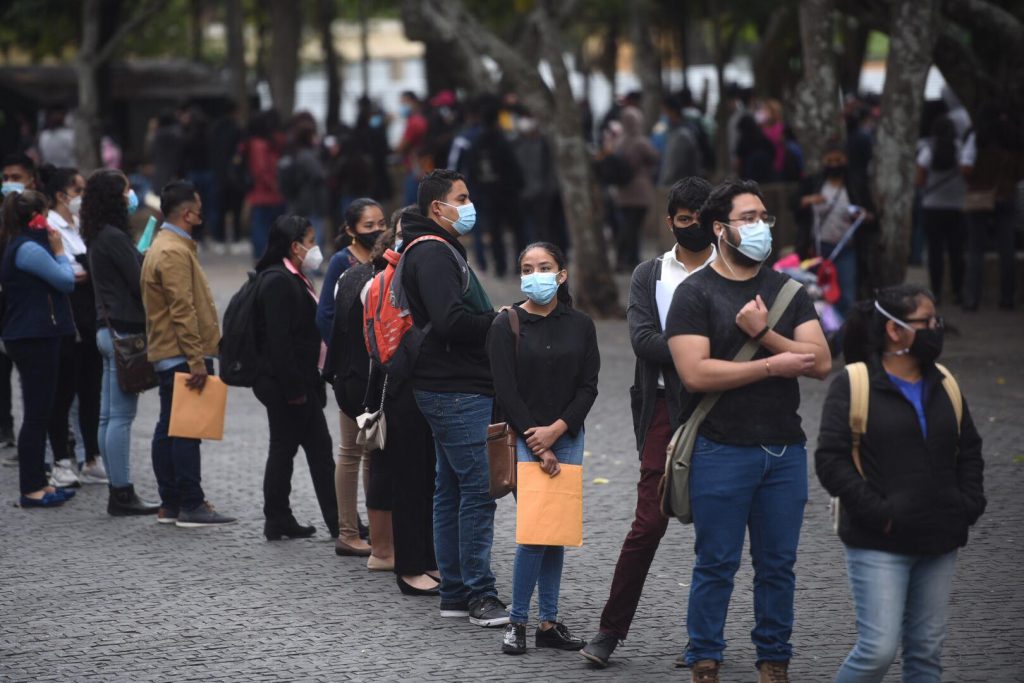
point(454, 613)
point(93, 480)
point(489, 623)
point(197, 525)
point(166, 520)
point(594, 659)
point(513, 651)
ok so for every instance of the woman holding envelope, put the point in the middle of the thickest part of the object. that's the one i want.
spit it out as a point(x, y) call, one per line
point(545, 383)
point(290, 385)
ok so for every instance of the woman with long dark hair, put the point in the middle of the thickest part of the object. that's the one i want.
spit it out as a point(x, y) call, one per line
point(289, 384)
point(545, 383)
point(909, 486)
point(37, 277)
point(115, 268)
point(81, 367)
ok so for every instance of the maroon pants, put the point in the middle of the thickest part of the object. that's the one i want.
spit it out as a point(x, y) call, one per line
point(648, 527)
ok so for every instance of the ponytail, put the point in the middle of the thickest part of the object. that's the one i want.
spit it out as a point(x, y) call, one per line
point(18, 209)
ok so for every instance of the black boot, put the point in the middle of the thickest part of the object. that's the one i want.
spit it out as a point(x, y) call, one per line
point(274, 530)
point(123, 502)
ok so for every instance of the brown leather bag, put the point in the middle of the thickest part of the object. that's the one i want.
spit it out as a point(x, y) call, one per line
point(501, 441)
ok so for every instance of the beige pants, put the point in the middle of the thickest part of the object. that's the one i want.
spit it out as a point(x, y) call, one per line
point(346, 477)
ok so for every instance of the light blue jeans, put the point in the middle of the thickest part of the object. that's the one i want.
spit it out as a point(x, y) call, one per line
point(899, 598)
point(541, 565)
point(117, 412)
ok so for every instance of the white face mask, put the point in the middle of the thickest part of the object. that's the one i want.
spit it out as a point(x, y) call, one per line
point(75, 205)
point(313, 259)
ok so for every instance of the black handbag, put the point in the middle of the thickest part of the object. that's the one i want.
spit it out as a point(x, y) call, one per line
point(135, 373)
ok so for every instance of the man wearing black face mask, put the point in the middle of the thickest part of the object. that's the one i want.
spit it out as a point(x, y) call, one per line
point(657, 399)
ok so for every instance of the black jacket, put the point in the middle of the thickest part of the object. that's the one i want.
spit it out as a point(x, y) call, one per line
point(115, 270)
point(453, 357)
point(288, 339)
point(929, 489)
point(652, 354)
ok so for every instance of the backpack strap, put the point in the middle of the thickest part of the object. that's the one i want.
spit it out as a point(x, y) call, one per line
point(859, 392)
point(953, 391)
point(461, 262)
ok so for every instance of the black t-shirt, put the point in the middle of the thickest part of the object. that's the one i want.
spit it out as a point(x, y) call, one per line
point(764, 412)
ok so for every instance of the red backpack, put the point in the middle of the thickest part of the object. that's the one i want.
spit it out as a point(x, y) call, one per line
point(392, 340)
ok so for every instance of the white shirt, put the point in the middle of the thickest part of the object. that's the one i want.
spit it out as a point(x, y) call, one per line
point(74, 245)
point(673, 273)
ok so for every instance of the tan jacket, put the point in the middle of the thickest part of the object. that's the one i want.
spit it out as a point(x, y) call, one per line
point(181, 319)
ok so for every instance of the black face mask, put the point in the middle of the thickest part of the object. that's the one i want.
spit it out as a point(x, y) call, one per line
point(835, 171)
point(927, 345)
point(367, 240)
point(693, 238)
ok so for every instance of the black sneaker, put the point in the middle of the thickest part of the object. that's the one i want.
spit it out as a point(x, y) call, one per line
point(489, 611)
point(514, 640)
point(558, 637)
point(204, 515)
point(454, 609)
point(600, 649)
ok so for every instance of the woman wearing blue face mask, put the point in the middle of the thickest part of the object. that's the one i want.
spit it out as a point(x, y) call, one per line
point(545, 384)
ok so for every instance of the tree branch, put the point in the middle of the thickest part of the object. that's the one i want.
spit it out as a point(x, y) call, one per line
point(141, 17)
point(987, 19)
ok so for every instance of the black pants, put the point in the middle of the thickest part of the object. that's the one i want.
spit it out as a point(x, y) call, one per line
point(81, 372)
point(410, 448)
point(999, 223)
point(627, 241)
point(6, 417)
point(36, 360)
point(946, 232)
point(292, 426)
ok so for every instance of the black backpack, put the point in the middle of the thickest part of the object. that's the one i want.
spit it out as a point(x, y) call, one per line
point(239, 351)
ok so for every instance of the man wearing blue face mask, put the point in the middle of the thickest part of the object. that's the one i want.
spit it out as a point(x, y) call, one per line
point(453, 389)
point(749, 463)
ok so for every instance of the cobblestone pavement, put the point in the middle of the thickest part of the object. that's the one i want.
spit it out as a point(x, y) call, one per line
point(87, 596)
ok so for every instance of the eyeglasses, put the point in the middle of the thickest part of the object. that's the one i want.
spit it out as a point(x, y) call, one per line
point(934, 323)
point(744, 221)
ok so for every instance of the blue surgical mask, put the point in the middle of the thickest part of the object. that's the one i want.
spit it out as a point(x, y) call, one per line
point(466, 220)
point(755, 241)
point(398, 245)
point(540, 288)
point(133, 202)
point(12, 187)
point(376, 120)
point(404, 110)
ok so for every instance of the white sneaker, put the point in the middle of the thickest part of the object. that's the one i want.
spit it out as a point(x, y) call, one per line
point(94, 473)
point(239, 248)
point(64, 475)
point(218, 248)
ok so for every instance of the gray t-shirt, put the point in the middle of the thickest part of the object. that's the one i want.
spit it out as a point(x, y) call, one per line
point(943, 189)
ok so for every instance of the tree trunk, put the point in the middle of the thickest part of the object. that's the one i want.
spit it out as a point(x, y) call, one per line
point(723, 51)
point(912, 35)
point(851, 60)
point(195, 37)
point(778, 48)
point(236, 57)
point(816, 110)
point(87, 133)
point(332, 67)
point(449, 61)
point(646, 63)
point(283, 65)
point(364, 47)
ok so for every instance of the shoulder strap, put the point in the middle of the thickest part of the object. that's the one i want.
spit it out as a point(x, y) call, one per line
point(859, 392)
point(953, 391)
point(459, 260)
point(513, 322)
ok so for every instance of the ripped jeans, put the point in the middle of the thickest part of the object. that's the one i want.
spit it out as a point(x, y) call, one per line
point(733, 489)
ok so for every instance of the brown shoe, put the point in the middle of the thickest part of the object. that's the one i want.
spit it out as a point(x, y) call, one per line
point(344, 549)
point(704, 671)
point(773, 672)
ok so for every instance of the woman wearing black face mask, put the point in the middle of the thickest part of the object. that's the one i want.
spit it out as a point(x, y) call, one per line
point(907, 507)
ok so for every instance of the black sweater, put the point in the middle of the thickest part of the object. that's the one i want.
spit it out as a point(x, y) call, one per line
point(115, 269)
point(452, 357)
point(289, 341)
point(930, 489)
point(554, 373)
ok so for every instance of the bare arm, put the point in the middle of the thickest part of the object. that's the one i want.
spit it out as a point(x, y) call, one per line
point(691, 355)
point(807, 337)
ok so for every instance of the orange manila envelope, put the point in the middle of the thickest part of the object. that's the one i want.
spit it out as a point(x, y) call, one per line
point(196, 415)
point(549, 510)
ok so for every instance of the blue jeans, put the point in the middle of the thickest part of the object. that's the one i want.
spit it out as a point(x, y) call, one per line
point(260, 220)
point(117, 412)
point(176, 460)
point(898, 597)
point(541, 565)
point(463, 507)
point(733, 488)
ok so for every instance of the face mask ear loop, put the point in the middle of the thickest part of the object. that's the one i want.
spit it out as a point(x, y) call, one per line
point(721, 252)
point(890, 316)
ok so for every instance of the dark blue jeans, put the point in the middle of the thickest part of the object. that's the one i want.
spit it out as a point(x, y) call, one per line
point(37, 361)
point(463, 507)
point(176, 460)
point(733, 488)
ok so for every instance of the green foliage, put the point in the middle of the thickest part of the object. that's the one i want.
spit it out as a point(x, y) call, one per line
point(40, 28)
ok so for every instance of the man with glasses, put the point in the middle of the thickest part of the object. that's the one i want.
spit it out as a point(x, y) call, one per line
point(749, 466)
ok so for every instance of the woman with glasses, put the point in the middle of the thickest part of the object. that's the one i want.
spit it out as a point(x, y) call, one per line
point(908, 499)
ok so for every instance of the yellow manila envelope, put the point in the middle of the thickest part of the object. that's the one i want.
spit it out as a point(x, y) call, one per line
point(196, 415)
point(549, 510)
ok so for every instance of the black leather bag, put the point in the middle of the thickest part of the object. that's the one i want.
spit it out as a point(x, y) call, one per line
point(135, 373)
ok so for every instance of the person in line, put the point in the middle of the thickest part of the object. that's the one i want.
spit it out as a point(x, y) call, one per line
point(452, 385)
point(545, 383)
point(905, 518)
point(262, 151)
point(183, 334)
point(410, 147)
point(81, 368)
point(657, 398)
point(364, 224)
point(749, 464)
point(115, 270)
point(635, 197)
point(289, 384)
point(37, 277)
point(302, 176)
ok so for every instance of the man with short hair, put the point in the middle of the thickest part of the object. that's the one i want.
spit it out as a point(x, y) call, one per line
point(183, 334)
point(658, 398)
point(749, 464)
point(453, 388)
